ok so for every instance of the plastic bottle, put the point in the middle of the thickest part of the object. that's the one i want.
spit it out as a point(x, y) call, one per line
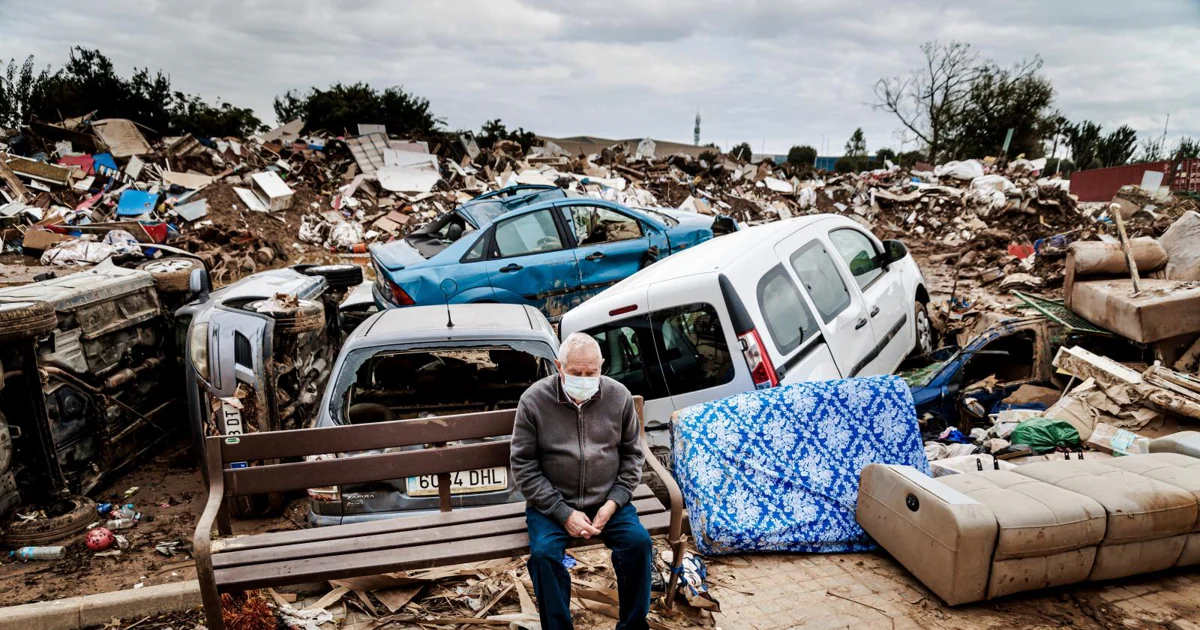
point(120, 523)
point(39, 553)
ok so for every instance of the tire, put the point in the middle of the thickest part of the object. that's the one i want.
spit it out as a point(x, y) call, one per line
point(924, 343)
point(19, 320)
point(80, 513)
point(338, 276)
point(305, 317)
point(257, 505)
point(172, 274)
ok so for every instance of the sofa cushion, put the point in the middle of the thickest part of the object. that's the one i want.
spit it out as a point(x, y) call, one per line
point(1180, 471)
point(1139, 508)
point(1035, 518)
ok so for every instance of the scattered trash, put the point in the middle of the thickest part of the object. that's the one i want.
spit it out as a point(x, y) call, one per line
point(38, 553)
point(99, 538)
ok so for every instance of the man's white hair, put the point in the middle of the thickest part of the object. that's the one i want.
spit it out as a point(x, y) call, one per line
point(575, 342)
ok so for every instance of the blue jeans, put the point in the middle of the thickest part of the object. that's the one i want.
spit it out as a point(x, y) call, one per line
point(631, 557)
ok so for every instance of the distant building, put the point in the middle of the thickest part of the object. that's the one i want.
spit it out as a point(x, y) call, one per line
point(587, 145)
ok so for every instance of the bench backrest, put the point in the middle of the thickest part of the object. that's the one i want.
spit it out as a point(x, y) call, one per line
point(230, 456)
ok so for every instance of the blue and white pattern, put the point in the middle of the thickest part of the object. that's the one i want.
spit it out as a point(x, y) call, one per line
point(778, 469)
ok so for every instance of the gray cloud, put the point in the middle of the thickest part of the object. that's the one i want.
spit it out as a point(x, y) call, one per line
point(769, 72)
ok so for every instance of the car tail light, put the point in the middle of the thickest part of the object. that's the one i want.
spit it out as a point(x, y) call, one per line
point(399, 297)
point(761, 370)
point(324, 493)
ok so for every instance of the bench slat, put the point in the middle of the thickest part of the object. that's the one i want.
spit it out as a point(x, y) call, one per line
point(364, 437)
point(393, 542)
point(382, 467)
point(460, 516)
point(373, 563)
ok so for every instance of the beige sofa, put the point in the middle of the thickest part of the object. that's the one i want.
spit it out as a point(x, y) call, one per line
point(982, 535)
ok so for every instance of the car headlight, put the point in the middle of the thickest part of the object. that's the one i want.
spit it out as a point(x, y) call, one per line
point(198, 348)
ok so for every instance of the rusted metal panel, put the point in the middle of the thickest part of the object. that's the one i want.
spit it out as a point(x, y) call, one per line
point(1102, 184)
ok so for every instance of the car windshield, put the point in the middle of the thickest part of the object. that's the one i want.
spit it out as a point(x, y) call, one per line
point(667, 219)
point(398, 383)
point(484, 212)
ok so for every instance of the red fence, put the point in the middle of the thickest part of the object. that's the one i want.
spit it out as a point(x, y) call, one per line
point(1101, 184)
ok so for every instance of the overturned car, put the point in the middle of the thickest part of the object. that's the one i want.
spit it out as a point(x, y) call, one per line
point(90, 382)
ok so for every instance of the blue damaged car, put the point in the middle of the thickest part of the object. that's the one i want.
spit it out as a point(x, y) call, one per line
point(531, 245)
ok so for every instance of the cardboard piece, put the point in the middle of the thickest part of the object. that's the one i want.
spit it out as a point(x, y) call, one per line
point(1030, 394)
point(1117, 442)
point(41, 240)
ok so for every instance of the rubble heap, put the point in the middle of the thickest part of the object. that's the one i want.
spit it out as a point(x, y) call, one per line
point(250, 203)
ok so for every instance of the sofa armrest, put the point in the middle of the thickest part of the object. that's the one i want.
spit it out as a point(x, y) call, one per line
point(943, 537)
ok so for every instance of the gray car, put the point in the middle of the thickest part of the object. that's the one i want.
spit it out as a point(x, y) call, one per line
point(430, 361)
point(259, 351)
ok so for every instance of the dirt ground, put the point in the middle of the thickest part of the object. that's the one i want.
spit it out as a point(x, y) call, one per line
point(170, 497)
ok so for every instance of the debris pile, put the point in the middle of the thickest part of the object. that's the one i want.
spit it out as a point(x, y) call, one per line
point(244, 204)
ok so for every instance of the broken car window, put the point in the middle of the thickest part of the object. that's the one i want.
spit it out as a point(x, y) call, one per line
point(858, 253)
point(693, 349)
point(397, 385)
point(821, 279)
point(594, 225)
point(787, 317)
point(527, 234)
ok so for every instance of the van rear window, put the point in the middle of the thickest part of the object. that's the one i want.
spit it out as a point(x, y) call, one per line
point(667, 353)
point(787, 317)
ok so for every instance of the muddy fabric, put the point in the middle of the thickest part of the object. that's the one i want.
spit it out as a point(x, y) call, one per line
point(778, 469)
point(567, 457)
point(1181, 242)
point(1099, 258)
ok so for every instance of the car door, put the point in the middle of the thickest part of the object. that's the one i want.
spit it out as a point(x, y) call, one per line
point(883, 295)
point(529, 263)
point(610, 245)
point(839, 306)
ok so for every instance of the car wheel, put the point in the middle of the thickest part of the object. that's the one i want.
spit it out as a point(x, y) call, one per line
point(172, 274)
point(303, 316)
point(26, 319)
point(72, 515)
point(338, 276)
point(924, 343)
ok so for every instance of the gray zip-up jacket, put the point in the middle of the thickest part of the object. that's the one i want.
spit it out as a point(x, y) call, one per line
point(566, 457)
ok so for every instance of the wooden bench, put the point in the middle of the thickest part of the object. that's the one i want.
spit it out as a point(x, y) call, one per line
point(422, 541)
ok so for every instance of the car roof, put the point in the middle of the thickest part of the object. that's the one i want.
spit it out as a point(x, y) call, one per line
point(716, 255)
point(466, 317)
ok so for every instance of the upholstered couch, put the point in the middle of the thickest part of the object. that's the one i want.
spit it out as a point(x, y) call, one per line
point(986, 534)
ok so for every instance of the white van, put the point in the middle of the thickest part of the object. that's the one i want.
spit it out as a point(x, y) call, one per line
point(811, 298)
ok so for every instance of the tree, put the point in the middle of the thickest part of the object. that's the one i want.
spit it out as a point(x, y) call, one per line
point(930, 102)
point(802, 154)
point(89, 83)
point(856, 146)
point(1152, 150)
point(1187, 149)
point(1117, 147)
point(494, 131)
point(1000, 99)
point(17, 85)
point(1083, 139)
point(885, 154)
point(742, 152)
point(1059, 166)
point(341, 108)
point(910, 158)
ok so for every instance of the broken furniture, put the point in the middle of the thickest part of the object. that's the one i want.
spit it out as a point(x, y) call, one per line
point(417, 542)
point(1098, 288)
point(985, 534)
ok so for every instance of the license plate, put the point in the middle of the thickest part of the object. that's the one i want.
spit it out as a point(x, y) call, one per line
point(461, 482)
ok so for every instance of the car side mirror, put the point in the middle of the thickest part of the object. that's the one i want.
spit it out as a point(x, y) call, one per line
point(893, 251)
point(199, 284)
point(974, 408)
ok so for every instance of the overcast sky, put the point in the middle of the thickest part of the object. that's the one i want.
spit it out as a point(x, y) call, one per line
point(770, 73)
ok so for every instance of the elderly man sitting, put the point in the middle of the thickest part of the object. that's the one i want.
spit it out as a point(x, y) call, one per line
point(576, 458)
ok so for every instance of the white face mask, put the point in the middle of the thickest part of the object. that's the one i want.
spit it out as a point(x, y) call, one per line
point(581, 388)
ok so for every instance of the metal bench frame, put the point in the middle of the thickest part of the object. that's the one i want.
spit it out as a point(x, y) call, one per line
point(445, 538)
